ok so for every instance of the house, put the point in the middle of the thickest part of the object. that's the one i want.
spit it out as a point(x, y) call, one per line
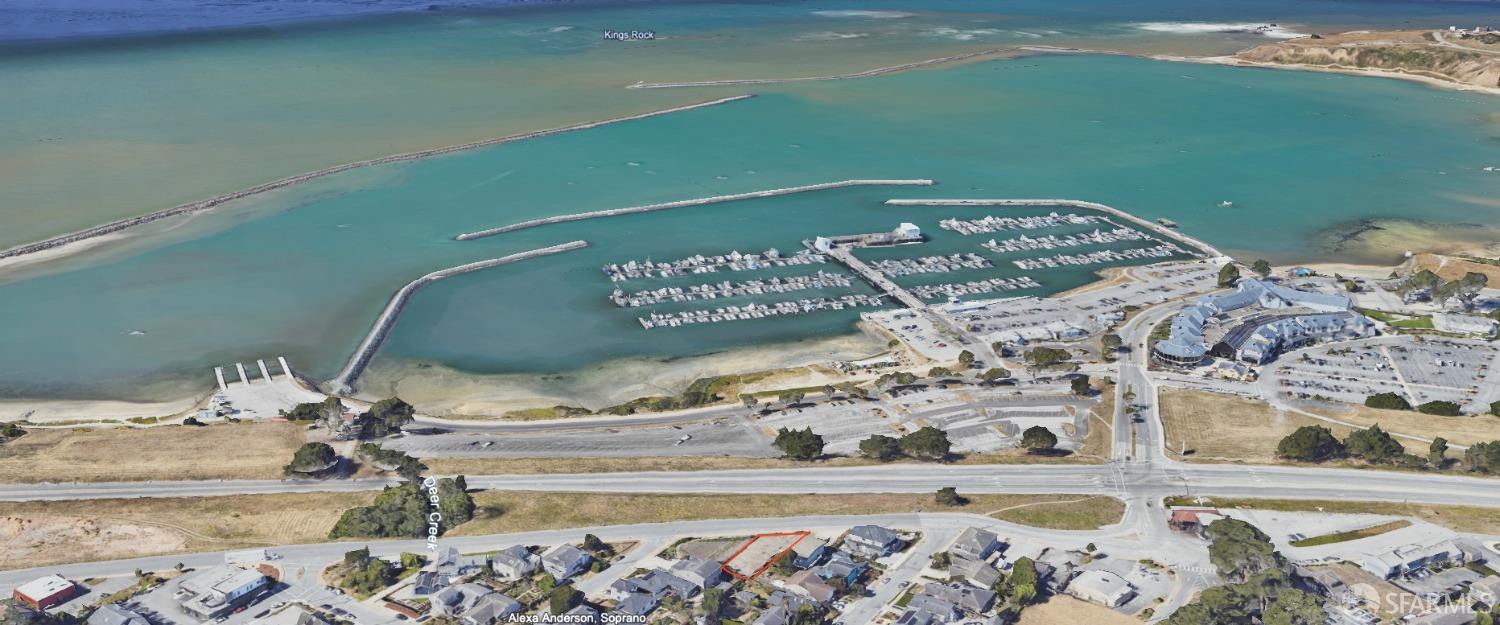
point(45, 592)
point(1102, 587)
point(1486, 591)
point(701, 573)
point(426, 583)
point(925, 608)
point(564, 561)
point(872, 541)
point(490, 608)
point(841, 566)
point(781, 606)
point(113, 614)
point(515, 562)
point(582, 614)
point(656, 583)
point(1444, 617)
point(806, 584)
point(975, 544)
point(1055, 568)
point(976, 572)
point(1389, 564)
point(808, 551)
point(636, 605)
point(219, 590)
point(458, 599)
point(964, 598)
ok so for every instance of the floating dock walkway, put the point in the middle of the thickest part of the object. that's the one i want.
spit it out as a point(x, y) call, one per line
point(1204, 248)
point(343, 384)
point(612, 212)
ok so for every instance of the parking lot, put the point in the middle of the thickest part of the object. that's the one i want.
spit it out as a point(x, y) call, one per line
point(1420, 369)
point(728, 436)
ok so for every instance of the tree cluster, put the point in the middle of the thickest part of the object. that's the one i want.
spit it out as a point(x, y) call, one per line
point(928, 443)
point(311, 458)
point(1038, 439)
point(364, 574)
point(1228, 275)
point(1387, 401)
point(1262, 588)
point(800, 444)
point(402, 511)
point(1045, 356)
point(403, 464)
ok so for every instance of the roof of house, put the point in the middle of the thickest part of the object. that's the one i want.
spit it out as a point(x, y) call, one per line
point(962, 596)
point(977, 572)
point(809, 583)
point(565, 555)
point(1100, 584)
point(45, 586)
point(516, 557)
point(808, 545)
point(976, 540)
point(873, 534)
point(113, 614)
point(491, 607)
point(697, 567)
point(637, 604)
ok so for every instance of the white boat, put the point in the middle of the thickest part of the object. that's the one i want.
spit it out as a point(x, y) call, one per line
point(1226, 204)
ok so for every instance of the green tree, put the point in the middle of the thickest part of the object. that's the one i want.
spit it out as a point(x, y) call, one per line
point(880, 447)
point(1080, 386)
point(1437, 452)
point(385, 417)
point(1495, 405)
point(1387, 401)
point(1045, 356)
point(928, 443)
point(1021, 586)
point(799, 444)
point(1038, 439)
point(1374, 445)
point(1111, 342)
point(454, 501)
point(597, 547)
point(1228, 274)
point(1261, 267)
point(311, 458)
point(713, 606)
point(1441, 408)
point(1239, 550)
point(941, 560)
point(563, 598)
point(327, 413)
point(1310, 443)
point(948, 496)
point(966, 358)
point(1483, 457)
point(939, 372)
point(995, 373)
point(402, 511)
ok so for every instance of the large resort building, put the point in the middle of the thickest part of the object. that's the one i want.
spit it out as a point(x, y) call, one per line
point(1256, 322)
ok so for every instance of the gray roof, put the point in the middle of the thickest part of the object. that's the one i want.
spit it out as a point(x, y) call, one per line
point(636, 604)
point(113, 614)
point(874, 533)
point(564, 555)
point(705, 569)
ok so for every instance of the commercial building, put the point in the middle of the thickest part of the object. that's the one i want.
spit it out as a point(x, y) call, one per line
point(218, 590)
point(45, 592)
point(1206, 328)
point(1102, 587)
point(113, 614)
point(1389, 564)
point(1452, 323)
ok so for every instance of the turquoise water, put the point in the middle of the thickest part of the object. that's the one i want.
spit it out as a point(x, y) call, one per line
point(303, 273)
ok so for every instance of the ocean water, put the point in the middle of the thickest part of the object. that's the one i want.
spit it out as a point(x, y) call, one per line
point(302, 272)
point(114, 108)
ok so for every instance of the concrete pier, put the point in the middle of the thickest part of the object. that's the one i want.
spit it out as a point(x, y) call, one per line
point(1204, 248)
point(219, 375)
point(612, 212)
point(343, 383)
point(876, 279)
point(263, 372)
point(243, 378)
point(286, 369)
point(864, 74)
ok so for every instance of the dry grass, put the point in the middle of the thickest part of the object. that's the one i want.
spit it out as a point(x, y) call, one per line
point(1226, 428)
point(1456, 518)
point(55, 532)
point(1459, 430)
point(1454, 267)
point(503, 512)
point(227, 451)
point(1065, 610)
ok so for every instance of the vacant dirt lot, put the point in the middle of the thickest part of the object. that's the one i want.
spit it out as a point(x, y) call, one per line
point(517, 512)
point(228, 451)
point(1065, 610)
point(55, 532)
point(1225, 428)
point(1459, 430)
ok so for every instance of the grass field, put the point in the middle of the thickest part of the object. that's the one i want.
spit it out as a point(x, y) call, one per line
point(1065, 610)
point(55, 532)
point(227, 451)
point(1456, 518)
point(1342, 537)
point(1459, 430)
point(1226, 428)
point(503, 512)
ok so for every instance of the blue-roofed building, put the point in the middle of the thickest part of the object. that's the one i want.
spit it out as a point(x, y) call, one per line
point(1259, 338)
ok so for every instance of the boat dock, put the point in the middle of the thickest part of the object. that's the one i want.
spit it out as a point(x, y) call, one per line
point(758, 311)
point(1102, 256)
point(977, 287)
point(931, 264)
point(820, 280)
point(1169, 233)
point(1024, 243)
point(733, 261)
point(991, 223)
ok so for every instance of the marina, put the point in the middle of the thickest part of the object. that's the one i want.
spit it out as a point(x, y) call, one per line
point(991, 223)
point(930, 264)
point(934, 291)
point(1098, 237)
point(733, 261)
point(758, 311)
point(820, 280)
point(1102, 256)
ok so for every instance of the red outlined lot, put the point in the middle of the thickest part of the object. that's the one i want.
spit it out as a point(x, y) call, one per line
point(760, 552)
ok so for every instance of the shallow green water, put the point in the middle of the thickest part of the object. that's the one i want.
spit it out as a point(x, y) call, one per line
point(305, 271)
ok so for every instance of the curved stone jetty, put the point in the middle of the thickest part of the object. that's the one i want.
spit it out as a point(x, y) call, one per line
point(343, 384)
point(612, 212)
point(202, 205)
point(1205, 248)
